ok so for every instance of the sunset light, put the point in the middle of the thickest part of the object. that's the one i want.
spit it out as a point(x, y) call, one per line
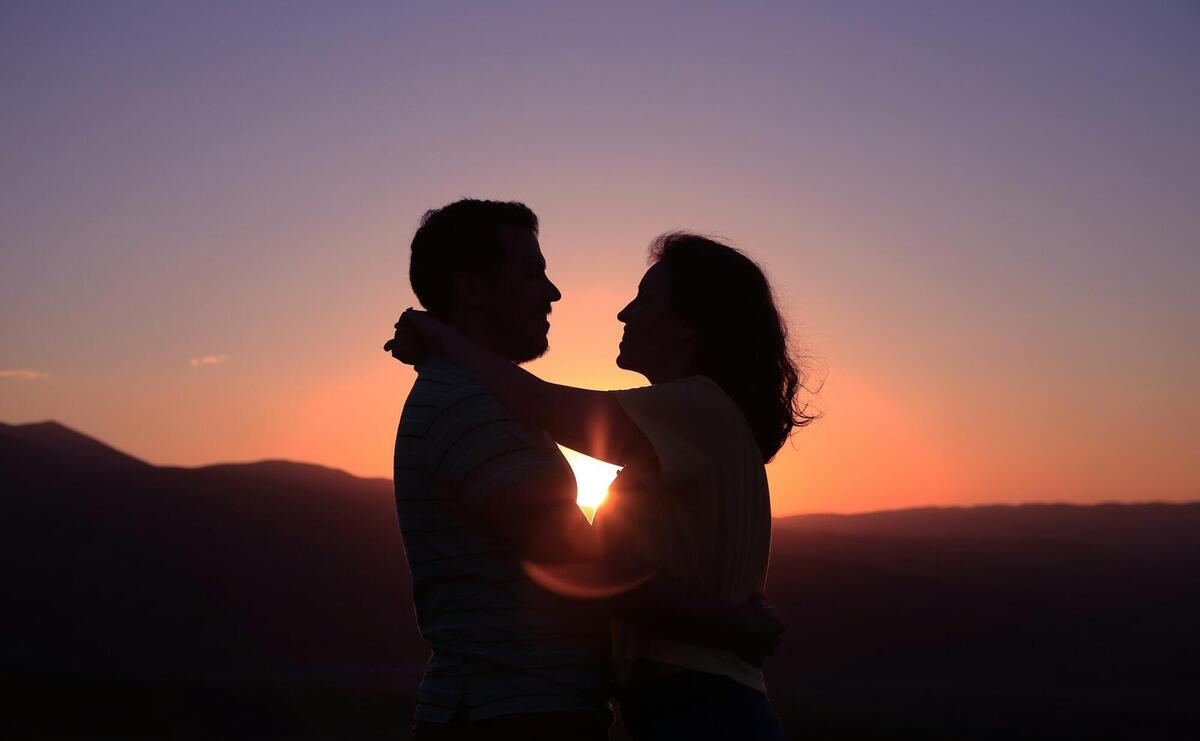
point(296, 300)
point(987, 265)
point(592, 477)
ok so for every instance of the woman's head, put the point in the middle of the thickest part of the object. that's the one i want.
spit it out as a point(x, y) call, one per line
point(704, 308)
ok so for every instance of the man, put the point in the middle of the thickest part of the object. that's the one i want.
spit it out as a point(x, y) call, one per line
point(478, 495)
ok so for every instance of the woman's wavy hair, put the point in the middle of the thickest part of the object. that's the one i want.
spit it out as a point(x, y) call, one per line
point(742, 341)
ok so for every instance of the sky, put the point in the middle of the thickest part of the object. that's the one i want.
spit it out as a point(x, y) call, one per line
point(980, 220)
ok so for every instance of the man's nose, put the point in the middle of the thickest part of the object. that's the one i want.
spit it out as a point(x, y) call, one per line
point(623, 314)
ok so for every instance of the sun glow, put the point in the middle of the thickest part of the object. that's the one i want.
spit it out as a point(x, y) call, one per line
point(592, 478)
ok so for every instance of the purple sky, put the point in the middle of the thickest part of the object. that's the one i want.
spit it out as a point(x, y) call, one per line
point(981, 218)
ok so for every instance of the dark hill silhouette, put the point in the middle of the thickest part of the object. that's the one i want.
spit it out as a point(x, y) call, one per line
point(1148, 526)
point(271, 599)
point(128, 568)
point(50, 441)
point(951, 625)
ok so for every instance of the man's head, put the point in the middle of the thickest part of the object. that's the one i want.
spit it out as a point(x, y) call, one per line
point(478, 265)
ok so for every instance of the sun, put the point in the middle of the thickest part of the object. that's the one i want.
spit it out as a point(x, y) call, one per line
point(592, 478)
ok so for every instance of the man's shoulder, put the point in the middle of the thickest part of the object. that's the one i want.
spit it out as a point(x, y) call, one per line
point(448, 399)
point(438, 370)
point(440, 383)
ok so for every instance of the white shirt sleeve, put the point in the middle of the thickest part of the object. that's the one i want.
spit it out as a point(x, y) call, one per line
point(685, 421)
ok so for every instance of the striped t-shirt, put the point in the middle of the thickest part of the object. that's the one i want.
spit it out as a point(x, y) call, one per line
point(501, 644)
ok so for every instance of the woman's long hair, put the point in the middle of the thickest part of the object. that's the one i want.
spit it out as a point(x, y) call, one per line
point(742, 341)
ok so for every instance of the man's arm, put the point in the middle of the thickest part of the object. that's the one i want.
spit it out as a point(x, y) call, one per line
point(672, 609)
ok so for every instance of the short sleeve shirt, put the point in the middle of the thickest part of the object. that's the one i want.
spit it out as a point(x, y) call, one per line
point(703, 515)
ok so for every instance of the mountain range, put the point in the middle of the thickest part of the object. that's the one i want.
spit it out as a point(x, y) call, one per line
point(273, 597)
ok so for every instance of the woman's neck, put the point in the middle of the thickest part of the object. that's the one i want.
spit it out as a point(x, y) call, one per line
point(671, 371)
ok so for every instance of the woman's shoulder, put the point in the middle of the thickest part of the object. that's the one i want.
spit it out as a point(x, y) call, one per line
point(681, 401)
point(708, 394)
point(705, 408)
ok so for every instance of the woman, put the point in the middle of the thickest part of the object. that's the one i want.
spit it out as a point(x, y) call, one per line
point(692, 498)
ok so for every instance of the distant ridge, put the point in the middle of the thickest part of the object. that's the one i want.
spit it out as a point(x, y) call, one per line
point(66, 445)
point(284, 469)
point(77, 447)
point(40, 439)
point(1033, 517)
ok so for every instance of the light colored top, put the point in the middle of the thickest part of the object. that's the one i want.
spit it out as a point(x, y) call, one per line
point(500, 644)
point(703, 516)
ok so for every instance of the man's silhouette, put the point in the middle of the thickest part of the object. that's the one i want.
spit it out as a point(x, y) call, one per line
point(476, 493)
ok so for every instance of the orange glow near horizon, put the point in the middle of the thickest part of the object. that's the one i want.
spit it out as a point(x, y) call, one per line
point(994, 270)
point(592, 478)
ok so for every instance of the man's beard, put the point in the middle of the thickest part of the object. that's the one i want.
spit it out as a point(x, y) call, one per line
point(518, 344)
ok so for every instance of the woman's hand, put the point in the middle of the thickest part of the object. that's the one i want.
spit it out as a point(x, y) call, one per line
point(417, 335)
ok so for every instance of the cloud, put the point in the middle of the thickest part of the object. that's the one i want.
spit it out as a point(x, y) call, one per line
point(24, 374)
point(208, 360)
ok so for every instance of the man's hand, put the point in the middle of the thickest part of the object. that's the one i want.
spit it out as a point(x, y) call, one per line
point(759, 631)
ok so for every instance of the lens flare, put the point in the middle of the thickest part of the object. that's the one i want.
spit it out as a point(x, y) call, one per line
point(583, 580)
point(592, 479)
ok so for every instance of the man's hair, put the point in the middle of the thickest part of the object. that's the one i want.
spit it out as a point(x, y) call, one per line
point(463, 237)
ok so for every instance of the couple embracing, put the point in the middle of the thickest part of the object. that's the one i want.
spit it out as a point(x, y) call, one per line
point(534, 616)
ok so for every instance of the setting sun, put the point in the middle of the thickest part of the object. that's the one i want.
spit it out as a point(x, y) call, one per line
point(592, 477)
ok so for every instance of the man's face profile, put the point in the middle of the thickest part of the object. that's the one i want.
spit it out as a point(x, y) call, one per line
point(518, 306)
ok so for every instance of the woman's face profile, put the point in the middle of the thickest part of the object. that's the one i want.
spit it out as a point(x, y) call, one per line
point(656, 343)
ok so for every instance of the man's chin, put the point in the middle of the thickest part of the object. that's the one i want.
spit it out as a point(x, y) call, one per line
point(530, 351)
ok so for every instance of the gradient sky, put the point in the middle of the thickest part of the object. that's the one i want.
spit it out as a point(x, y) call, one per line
point(980, 217)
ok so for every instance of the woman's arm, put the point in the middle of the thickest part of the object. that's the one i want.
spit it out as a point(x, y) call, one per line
point(664, 606)
point(591, 422)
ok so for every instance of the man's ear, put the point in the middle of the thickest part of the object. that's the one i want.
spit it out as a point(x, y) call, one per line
point(469, 289)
